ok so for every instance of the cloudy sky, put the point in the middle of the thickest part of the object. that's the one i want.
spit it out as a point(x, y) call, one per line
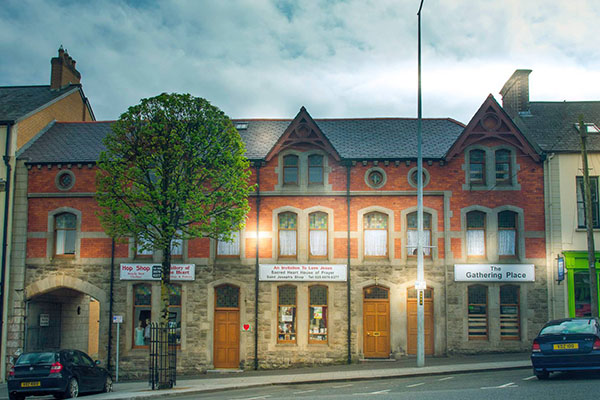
point(344, 58)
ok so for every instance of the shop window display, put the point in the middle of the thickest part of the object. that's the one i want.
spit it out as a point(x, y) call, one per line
point(583, 303)
point(286, 324)
point(142, 310)
point(317, 315)
point(477, 309)
point(509, 312)
point(175, 312)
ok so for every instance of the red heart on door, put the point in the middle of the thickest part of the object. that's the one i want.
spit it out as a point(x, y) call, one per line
point(246, 327)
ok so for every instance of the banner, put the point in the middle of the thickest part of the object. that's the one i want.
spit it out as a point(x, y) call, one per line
point(494, 273)
point(307, 272)
point(153, 272)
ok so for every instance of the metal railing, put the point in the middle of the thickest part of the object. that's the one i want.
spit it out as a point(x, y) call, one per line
point(163, 356)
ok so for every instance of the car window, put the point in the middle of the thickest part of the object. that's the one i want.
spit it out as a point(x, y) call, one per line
point(572, 326)
point(86, 360)
point(36, 358)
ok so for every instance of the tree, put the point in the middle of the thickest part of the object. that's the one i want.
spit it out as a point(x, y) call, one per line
point(174, 169)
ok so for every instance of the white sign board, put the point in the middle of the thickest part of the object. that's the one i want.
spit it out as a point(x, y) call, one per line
point(307, 272)
point(44, 319)
point(117, 319)
point(153, 272)
point(494, 273)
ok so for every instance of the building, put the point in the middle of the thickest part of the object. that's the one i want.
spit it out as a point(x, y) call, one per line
point(554, 125)
point(26, 111)
point(324, 271)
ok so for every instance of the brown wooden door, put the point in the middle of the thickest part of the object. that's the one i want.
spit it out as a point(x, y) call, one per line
point(376, 323)
point(411, 312)
point(227, 339)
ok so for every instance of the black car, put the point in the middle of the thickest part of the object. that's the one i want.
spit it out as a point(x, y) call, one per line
point(63, 373)
point(566, 345)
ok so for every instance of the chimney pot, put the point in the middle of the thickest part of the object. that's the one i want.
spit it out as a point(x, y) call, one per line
point(63, 70)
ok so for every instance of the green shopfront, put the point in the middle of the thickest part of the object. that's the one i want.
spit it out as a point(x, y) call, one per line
point(578, 282)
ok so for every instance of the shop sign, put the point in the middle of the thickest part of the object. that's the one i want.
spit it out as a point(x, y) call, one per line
point(308, 272)
point(494, 273)
point(153, 272)
point(561, 269)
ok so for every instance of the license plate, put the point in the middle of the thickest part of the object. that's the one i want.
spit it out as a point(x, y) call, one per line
point(566, 346)
point(30, 384)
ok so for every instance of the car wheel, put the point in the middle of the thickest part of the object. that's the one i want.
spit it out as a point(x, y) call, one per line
point(72, 389)
point(108, 385)
point(541, 375)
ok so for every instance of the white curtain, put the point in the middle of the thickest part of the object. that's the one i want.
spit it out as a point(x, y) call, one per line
point(375, 242)
point(506, 242)
point(318, 243)
point(287, 243)
point(177, 246)
point(229, 248)
point(60, 241)
point(475, 243)
point(411, 245)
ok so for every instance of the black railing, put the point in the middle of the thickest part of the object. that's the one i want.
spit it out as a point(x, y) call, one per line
point(163, 356)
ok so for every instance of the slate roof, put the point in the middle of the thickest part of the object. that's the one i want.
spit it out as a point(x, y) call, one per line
point(551, 125)
point(18, 101)
point(374, 138)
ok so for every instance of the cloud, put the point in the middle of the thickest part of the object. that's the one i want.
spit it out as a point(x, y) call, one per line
point(353, 58)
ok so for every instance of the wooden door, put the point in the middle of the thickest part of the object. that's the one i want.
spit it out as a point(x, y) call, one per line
point(376, 322)
point(93, 328)
point(411, 312)
point(226, 351)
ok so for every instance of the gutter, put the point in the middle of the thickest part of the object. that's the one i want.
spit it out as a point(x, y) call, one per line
point(6, 158)
point(111, 301)
point(348, 293)
point(257, 165)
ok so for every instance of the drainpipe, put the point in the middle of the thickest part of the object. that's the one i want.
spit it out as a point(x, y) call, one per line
point(110, 303)
point(257, 165)
point(349, 328)
point(4, 241)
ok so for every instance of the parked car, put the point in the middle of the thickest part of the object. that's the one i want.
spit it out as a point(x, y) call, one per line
point(63, 373)
point(566, 345)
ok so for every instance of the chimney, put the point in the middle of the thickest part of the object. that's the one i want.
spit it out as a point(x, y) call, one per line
point(515, 93)
point(63, 71)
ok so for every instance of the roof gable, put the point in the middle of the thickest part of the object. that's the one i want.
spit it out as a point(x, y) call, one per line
point(491, 122)
point(305, 133)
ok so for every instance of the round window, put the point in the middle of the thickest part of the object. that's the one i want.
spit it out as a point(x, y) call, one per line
point(65, 180)
point(413, 177)
point(375, 178)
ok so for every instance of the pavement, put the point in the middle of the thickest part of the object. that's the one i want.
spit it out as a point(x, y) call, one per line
point(215, 381)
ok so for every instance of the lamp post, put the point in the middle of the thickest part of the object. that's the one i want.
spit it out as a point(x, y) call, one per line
point(420, 284)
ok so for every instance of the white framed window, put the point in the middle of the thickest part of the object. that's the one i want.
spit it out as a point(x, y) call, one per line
point(288, 234)
point(229, 248)
point(476, 234)
point(507, 234)
point(65, 232)
point(375, 235)
point(317, 226)
point(412, 234)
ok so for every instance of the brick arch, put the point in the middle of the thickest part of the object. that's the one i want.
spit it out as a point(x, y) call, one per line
point(51, 283)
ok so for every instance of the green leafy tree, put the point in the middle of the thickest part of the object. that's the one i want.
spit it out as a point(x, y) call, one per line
point(174, 169)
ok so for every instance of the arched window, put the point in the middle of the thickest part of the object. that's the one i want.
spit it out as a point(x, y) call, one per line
point(317, 314)
point(510, 328)
point(503, 170)
point(317, 225)
point(142, 313)
point(507, 234)
point(477, 167)
point(288, 226)
point(65, 229)
point(376, 234)
point(412, 234)
point(476, 234)
point(286, 311)
point(290, 170)
point(315, 169)
point(478, 312)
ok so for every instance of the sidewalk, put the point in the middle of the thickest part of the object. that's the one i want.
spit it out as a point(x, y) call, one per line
point(215, 381)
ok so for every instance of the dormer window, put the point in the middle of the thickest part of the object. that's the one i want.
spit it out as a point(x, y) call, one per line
point(477, 167)
point(290, 170)
point(503, 173)
point(241, 125)
point(589, 127)
point(315, 169)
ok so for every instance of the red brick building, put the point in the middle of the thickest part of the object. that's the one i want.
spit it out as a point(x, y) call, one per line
point(324, 270)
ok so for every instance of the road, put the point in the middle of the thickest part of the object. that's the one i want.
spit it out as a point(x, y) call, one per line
point(493, 385)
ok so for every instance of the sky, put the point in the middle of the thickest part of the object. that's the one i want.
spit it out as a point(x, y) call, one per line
point(338, 58)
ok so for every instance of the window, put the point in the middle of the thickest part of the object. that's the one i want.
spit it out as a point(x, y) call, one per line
point(65, 229)
point(509, 313)
point(286, 311)
point(376, 234)
point(581, 221)
point(475, 234)
point(290, 170)
point(143, 248)
point(177, 245)
point(478, 325)
point(287, 234)
point(229, 249)
point(507, 234)
point(503, 171)
point(317, 314)
point(477, 167)
point(581, 287)
point(412, 234)
point(142, 310)
point(317, 226)
point(175, 313)
point(315, 169)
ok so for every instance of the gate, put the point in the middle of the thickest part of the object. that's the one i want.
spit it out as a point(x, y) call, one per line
point(163, 356)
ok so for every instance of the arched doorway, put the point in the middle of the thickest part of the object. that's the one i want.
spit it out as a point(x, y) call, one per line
point(376, 322)
point(411, 313)
point(226, 350)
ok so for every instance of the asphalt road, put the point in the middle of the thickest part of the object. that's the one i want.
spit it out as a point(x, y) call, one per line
point(493, 385)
